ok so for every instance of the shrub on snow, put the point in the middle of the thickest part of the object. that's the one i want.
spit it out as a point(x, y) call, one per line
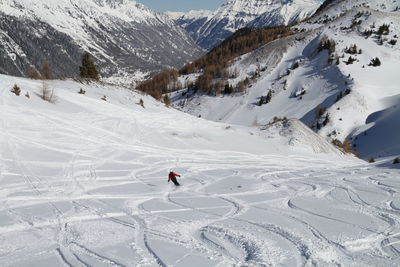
point(16, 90)
point(375, 62)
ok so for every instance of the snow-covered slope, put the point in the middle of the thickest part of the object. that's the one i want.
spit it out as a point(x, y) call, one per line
point(296, 134)
point(125, 37)
point(304, 78)
point(83, 183)
point(210, 28)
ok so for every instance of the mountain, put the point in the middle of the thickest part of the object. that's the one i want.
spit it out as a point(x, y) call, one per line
point(337, 72)
point(126, 38)
point(209, 29)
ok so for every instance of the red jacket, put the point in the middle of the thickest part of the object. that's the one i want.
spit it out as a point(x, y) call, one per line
point(172, 176)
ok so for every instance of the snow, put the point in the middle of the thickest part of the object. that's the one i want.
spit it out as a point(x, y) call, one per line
point(84, 182)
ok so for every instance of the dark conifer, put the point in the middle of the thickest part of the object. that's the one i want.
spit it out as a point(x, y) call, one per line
point(88, 69)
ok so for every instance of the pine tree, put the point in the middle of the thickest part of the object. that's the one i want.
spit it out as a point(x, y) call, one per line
point(88, 69)
point(269, 96)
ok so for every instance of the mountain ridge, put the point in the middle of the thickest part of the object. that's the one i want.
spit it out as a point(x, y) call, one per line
point(210, 28)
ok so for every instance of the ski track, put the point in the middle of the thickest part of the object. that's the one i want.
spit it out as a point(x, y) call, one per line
point(231, 210)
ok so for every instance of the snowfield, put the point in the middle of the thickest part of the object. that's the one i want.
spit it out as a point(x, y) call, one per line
point(84, 183)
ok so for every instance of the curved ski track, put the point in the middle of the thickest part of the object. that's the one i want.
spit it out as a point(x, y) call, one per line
point(110, 205)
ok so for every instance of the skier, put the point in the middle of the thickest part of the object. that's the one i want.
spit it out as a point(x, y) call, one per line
point(172, 177)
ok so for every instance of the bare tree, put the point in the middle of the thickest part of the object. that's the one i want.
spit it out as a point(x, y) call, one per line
point(47, 93)
point(46, 70)
point(34, 73)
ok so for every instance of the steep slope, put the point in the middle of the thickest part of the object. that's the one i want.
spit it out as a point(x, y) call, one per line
point(125, 37)
point(296, 134)
point(84, 183)
point(309, 77)
point(210, 29)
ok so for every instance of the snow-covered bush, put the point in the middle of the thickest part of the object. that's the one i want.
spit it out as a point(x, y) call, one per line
point(300, 92)
point(326, 120)
point(16, 90)
point(141, 103)
point(350, 60)
point(367, 33)
point(375, 62)
point(265, 99)
point(278, 119)
point(383, 30)
point(327, 44)
point(352, 50)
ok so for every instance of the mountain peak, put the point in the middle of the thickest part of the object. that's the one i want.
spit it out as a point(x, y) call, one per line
point(211, 29)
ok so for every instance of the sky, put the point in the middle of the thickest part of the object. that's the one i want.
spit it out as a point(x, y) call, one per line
point(181, 5)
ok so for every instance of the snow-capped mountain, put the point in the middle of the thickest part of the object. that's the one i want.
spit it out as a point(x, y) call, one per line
point(338, 74)
point(211, 28)
point(125, 37)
